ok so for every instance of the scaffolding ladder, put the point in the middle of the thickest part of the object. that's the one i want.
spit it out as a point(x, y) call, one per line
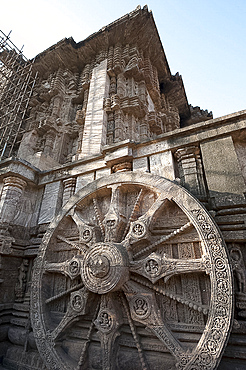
point(16, 86)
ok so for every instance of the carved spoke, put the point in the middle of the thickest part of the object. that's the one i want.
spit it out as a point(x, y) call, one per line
point(76, 308)
point(148, 216)
point(114, 222)
point(155, 267)
point(134, 210)
point(144, 309)
point(98, 216)
point(69, 268)
point(88, 234)
point(176, 297)
point(139, 229)
point(71, 243)
point(108, 323)
point(62, 294)
point(135, 335)
point(87, 341)
point(164, 239)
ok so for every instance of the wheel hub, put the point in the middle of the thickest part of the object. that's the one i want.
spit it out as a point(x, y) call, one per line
point(105, 268)
point(99, 267)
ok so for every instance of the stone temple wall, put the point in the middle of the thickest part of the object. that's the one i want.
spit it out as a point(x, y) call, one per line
point(122, 216)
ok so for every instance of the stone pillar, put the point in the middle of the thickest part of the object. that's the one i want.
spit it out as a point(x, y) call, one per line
point(80, 119)
point(56, 106)
point(12, 190)
point(121, 85)
point(110, 128)
point(69, 189)
point(95, 128)
point(85, 101)
point(190, 169)
point(112, 87)
point(144, 132)
point(118, 131)
point(49, 142)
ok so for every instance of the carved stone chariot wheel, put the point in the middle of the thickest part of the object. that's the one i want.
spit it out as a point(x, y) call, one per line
point(132, 274)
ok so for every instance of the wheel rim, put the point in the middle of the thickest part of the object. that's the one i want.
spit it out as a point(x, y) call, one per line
point(121, 253)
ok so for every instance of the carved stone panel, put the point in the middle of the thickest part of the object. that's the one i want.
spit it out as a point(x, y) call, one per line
point(123, 251)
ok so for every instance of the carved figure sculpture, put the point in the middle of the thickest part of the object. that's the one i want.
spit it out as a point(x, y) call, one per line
point(20, 286)
point(238, 268)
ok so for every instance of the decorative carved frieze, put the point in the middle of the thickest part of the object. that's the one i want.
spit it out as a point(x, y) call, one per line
point(57, 114)
point(134, 94)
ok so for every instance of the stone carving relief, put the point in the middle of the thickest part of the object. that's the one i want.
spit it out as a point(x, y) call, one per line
point(21, 285)
point(135, 106)
point(108, 268)
point(57, 114)
point(238, 268)
point(136, 109)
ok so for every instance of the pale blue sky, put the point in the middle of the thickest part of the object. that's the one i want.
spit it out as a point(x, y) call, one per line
point(204, 40)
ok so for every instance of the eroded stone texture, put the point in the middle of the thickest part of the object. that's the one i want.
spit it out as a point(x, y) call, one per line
point(51, 202)
point(108, 258)
point(163, 164)
point(190, 169)
point(95, 121)
point(222, 171)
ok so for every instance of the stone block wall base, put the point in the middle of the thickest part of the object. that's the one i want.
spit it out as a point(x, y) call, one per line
point(4, 345)
point(231, 364)
point(17, 359)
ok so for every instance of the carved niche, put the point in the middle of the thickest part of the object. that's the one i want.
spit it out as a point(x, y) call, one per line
point(132, 274)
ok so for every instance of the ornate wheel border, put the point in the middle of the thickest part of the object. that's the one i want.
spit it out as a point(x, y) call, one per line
point(214, 338)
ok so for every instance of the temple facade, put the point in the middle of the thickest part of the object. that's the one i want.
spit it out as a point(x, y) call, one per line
point(122, 213)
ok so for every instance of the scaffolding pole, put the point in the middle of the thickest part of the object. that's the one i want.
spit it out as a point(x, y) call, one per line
point(16, 86)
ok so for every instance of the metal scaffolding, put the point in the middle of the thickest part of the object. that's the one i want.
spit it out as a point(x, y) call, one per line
point(16, 87)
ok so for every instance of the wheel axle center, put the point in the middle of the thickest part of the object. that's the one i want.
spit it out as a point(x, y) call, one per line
point(105, 268)
point(99, 266)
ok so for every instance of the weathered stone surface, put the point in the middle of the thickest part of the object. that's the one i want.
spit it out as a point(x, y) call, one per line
point(221, 166)
point(103, 172)
point(51, 202)
point(84, 180)
point(141, 164)
point(95, 120)
point(101, 222)
point(163, 164)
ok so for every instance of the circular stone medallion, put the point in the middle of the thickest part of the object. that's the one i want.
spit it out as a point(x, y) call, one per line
point(105, 268)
